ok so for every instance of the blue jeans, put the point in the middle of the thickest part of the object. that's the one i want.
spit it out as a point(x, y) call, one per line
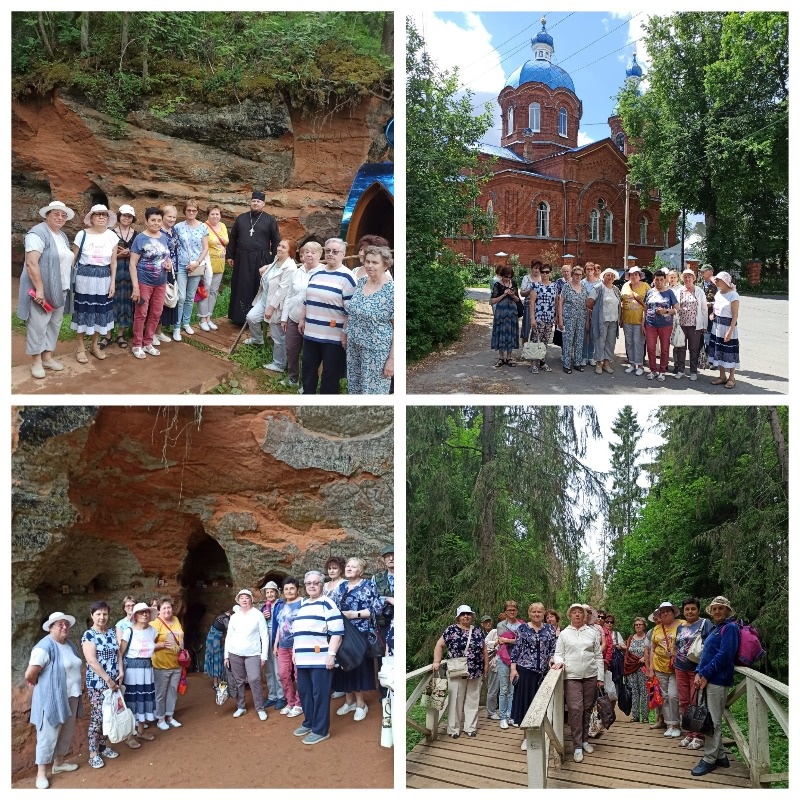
point(506, 696)
point(186, 288)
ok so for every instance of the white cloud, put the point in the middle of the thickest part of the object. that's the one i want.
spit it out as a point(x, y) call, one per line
point(584, 139)
point(465, 45)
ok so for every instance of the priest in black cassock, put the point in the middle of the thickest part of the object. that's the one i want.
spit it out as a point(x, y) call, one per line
point(252, 244)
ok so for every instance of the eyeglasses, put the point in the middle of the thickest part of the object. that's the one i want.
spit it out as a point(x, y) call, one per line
point(100, 214)
point(332, 251)
point(545, 272)
point(313, 583)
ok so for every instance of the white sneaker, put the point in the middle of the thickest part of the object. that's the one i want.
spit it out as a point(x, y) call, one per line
point(150, 350)
point(212, 326)
point(176, 334)
point(162, 337)
point(295, 712)
point(346, 709)
point(494, 716)
point(174, 723)
point(651, 376)
point(240, 712)
point(336, 695)
point(578, 755)
point(587, 748)
point(162, 726)
point(273, 367)
point(679, 375)
point(592, 362)
point(693, 377)
point(262, 715)
point(662, 376)
point(251, 340)
point(204, 326)
point(670, 732)
point(639, 372)
point(630, 368)
point(138, 352)
point(676, 733)
point(189, 329)
point(504, 724)
point(361, 712)
point(286, 710)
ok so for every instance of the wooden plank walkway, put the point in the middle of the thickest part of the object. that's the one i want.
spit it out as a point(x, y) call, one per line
point(628, 756)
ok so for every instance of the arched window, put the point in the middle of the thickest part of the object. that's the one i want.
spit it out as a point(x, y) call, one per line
point(490, 209)
point(562, 121)
point(543, 219)
point(608, 220)
point(643, 230)
point(534, 117)
point(619, 140)
point(594, 225)
point(510, 121)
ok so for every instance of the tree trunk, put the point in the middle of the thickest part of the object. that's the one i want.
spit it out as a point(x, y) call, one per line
point(780, 446)
point(124, 37)
point(45, 39)
point(487, 492)
point(145, 74)
point(85, 33)
point(387, 39)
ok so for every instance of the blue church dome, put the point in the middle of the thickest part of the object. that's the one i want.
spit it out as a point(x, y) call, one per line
point(633, 70)
point(543, 37)
point(541, 71)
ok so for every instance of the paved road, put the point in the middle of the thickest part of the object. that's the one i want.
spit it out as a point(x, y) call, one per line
point(466, 366)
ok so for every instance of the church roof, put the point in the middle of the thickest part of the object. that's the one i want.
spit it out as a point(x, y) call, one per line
point(541, 71)
point(500, 152)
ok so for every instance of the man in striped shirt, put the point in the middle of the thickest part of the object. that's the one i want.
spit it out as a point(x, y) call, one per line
point(315, 657)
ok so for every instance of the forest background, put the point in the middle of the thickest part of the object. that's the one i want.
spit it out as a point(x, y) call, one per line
point(500, 502)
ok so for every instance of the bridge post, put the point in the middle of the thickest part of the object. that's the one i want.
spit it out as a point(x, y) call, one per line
point(758, 734)
point(558, 715)
point(537, 758)
point(432, 722)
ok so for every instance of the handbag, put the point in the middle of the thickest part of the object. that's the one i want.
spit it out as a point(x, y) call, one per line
point(654, 697)
point(353, 648)
point(605, 709)
point(558, 338)
point(201, 293)
point(697, 717)
point(696, 648)
point(171, 295)
point(533, 351)
point(435, 693)
point(199, 269)
point(376, 646)
point(118, 722)
point(184, 656)
point(595, 723)
point(457, 667)
point(624, 697)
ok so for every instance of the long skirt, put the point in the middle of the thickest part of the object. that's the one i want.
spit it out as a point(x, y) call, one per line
point(213, 664)
point(360, 679)
point(140, 690)
point(721, 353)
point(505, 327)
point(94, 309)
point(524, 692)
point(123, 305)
point(244, 283)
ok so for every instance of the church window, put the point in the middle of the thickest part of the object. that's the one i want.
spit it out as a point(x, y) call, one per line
point(534, 117)
point(594, 225)
point(643, 230)
point(608, 219)
point(510, 121)
point(619, 140)
point(562, 122)
point(490, 209)
point(543, 220)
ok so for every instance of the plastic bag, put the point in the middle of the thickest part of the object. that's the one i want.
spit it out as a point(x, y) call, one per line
point(118, 722)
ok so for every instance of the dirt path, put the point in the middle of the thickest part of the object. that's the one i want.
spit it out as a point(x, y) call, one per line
point(213, 750)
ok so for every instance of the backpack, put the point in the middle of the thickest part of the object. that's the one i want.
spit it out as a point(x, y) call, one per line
point(750, 649)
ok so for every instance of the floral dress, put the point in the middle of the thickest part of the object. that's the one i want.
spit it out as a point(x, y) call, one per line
point(362, 596)
point(574, 315)
point(456, 638)
point(505, 327)
point(636, 682)
point(123, 305)
point(370, 329)
point(108, 655)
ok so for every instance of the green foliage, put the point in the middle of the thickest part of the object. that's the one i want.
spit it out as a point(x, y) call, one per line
point(713, 127)
point(313, 59)
point(435, 305)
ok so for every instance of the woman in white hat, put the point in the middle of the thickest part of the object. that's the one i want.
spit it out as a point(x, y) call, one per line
point(463, 639)
point(44, 287)
point(95, 250)
point(123, 304)
point(54, 672)
point(690, 323)
point(136, 648)
point(723, 346)
point(246, 648)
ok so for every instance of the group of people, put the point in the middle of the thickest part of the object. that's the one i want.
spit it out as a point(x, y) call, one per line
point(112, 278)
point(586, 307)
point(516, 656)
point(274, 636)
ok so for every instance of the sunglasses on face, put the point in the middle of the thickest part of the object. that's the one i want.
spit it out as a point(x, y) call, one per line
point(545, 272)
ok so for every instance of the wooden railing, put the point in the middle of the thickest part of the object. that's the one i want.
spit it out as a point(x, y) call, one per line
point(762, 692)
point(543, 724)
point(432, 716)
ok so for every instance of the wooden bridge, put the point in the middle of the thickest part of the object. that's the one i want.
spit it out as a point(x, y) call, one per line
point(628, 756)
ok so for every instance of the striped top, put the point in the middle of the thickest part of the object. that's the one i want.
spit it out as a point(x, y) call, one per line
point(327, 295)
point(314, 621)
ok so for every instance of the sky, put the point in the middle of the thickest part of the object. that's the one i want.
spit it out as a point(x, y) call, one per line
point(594, 48)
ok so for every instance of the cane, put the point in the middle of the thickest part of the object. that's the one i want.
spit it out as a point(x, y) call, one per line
point(236, 340)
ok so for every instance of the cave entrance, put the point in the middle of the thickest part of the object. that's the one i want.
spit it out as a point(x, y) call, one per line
point(374, 213)
point(208, 587)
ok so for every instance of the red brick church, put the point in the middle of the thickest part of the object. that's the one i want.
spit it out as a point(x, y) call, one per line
point(546, 192)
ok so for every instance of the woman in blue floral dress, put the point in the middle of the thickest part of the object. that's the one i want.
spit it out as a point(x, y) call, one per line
point(543, 319)
point(463, 639)
point(359, 602)
point(101, 651)
point(505, 325)
point(571, 318)
point(369, 327)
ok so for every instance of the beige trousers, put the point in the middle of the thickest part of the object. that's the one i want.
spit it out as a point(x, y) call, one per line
point(464, 698)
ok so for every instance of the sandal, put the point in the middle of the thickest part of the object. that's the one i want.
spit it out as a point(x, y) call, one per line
point(81, 356)
point(718, 381)
point(730, 384)
point(104, 342)
point(97, 352)
point(121, 341)
point(510, 363)
point(148, 737)
point(545, 367)
point(500, 363)
point(132, 743)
